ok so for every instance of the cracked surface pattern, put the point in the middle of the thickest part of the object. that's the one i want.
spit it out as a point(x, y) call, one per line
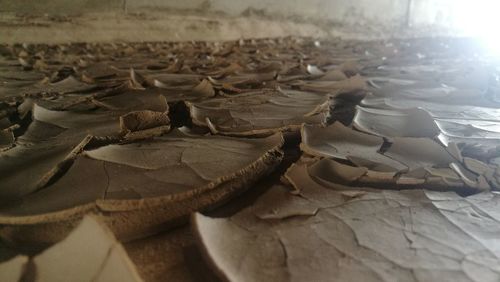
point(323, 234)
point(301, 159)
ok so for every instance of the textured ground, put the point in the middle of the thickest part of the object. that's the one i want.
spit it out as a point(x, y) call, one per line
point(251, 160)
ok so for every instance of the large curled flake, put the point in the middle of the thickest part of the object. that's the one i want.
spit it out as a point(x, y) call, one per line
point(369, 236)
point(330, 173)
point(259, 113)
point(55, 137)
point(168, 176)
point(338, 141)
point(52, 138)
point(392, 123)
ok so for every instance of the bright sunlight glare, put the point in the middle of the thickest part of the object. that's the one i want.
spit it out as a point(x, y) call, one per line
point(479, 19)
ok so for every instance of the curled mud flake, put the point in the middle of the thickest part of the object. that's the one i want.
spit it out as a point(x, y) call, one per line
point(453, 149)
point(469, 178)
point(14, 269)
point(134, 100)
point(90, 252)
point(49, 143)
point(333, 75)
point(204, 89)
point(389, 123)
point(173, 175)
point(141, 120)
point(259, 113)
point(469, 131)
point(478, 167)
point(340, 142)
point(330, 173)
point(66, 86)
point(137, 81)
point(314, 70)
point(336, 172)
point(350, 85)
point(419, 152)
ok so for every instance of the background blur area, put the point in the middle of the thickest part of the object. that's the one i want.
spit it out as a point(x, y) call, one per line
point(56, 21)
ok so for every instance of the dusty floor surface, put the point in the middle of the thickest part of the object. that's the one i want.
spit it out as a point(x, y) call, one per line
point(150, 26)
point(186, 25)
point(250, 160)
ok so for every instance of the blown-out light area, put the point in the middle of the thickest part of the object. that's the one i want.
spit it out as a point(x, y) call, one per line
point(480, 19)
